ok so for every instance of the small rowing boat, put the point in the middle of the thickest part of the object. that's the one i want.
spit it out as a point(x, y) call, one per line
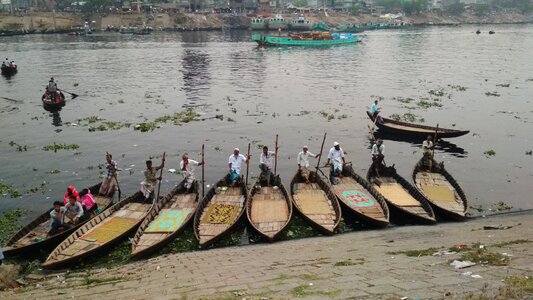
point(415, 130)
point(166, 219)
point(269, 208)
point(53, 104)
point(359, 198)
point(404, 200)
point(441, 189)
point(219, 211)
point(35, 235)
point(102, 232)
point(316, 202)
point(9, 70)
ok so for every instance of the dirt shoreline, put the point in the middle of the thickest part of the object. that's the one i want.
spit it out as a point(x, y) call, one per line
point(42, 23)
point(402, 261)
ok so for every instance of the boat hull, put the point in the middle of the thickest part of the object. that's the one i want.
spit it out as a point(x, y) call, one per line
point(53, 106)
point(7, 71)
point(154, 212)
point(415, 130)
point(438, 208)
point(49, 242)
point(288, 41)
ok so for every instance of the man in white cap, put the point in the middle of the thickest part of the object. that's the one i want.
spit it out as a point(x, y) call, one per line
point(303, 163)
point(234, 163)
point(336, 159)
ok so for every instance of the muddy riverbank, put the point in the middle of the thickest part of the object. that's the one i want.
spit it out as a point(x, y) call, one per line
point(64, 22)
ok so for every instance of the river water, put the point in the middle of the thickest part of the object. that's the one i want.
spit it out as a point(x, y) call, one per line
point(264, 92)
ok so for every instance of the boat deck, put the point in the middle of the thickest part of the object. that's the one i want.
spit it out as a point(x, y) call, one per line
point(397, 195)
point(171, 217)
point(439, 191)
point(313, 202)
point(269, 210)
point(221, 213)
point(102, 233)
point(355, 196)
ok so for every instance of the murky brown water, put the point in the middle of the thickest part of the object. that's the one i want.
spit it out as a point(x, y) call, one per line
point(133, 79)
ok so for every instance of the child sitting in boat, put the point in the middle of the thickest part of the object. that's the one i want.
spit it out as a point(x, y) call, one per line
point(87, 201)
point(73, 211)
point(57, 219)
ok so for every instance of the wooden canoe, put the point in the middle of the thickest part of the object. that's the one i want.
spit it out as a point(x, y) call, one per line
point(50, 105)
point(102, 232)
point(441, 189)
point(316, 202)
point(219, 211)
point(359, 198)
point(35, 235)
point(415, 130)
point(406, 203)
point(269, 208)
point(179, 207)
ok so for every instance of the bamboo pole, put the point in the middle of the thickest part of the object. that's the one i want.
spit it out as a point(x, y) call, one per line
point(247, 164)
point(161, 177)
point(321, 148)
point(203, 181)
point(276, 156)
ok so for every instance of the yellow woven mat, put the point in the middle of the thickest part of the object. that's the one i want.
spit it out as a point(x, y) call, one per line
point(438, 192)
point(264, 211)
point(313, 204)
point(110, 229)
point(395, 193)
point(220, 214)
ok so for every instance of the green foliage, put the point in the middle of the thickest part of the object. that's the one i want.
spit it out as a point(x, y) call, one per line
point(9, 224)
point(56, 147)
point(95, 5)
point(300, 3)
point(454, 8)
point(489, 153)
point(481, 10)
point(389, 5)
point(414, 6)
point(6, 189)
point(483, 256)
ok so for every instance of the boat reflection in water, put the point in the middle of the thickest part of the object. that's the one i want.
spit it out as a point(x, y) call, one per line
point(441, 145)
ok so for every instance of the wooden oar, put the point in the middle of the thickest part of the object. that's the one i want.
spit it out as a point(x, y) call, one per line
point(321, 148)
point(276, 156)
point(161, 178)
point(9, 99)
point(116, 180)
point(247, 164)
point(74, 95)
point(203, 182)
point(433, 150)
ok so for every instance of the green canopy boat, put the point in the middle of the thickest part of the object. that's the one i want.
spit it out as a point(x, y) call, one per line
point(307, 39)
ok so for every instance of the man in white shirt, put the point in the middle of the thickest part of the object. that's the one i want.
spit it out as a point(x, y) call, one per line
point(427, 146)
point(234, 163)
point(378, 151)
point(336, 160)
point(187, 169)
point(303, 163)
point(266, 161)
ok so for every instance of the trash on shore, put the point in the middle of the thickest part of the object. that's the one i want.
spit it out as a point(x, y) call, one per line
point(443, 252)
point(496, 227)
point(457, 264)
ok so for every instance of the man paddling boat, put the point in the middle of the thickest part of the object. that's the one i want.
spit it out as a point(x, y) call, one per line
point(336, 161)
point(110, 182)
point(234, 163)
point(378, 150)
point(265, 164)
point(150, 179)
point(303, 162)
point(187, 169)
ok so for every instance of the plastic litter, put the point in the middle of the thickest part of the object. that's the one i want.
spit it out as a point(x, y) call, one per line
point(457, 264)
point(477, 276)
point(443, 252)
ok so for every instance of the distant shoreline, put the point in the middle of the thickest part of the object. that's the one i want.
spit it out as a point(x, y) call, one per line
point(64, 23)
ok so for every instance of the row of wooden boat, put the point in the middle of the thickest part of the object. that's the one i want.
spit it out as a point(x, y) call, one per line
point(268, 209)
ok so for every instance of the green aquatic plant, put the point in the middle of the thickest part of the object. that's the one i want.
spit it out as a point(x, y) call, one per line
point(9, 190)
point(9, 224)
point(489, 153)
point(56, 147)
